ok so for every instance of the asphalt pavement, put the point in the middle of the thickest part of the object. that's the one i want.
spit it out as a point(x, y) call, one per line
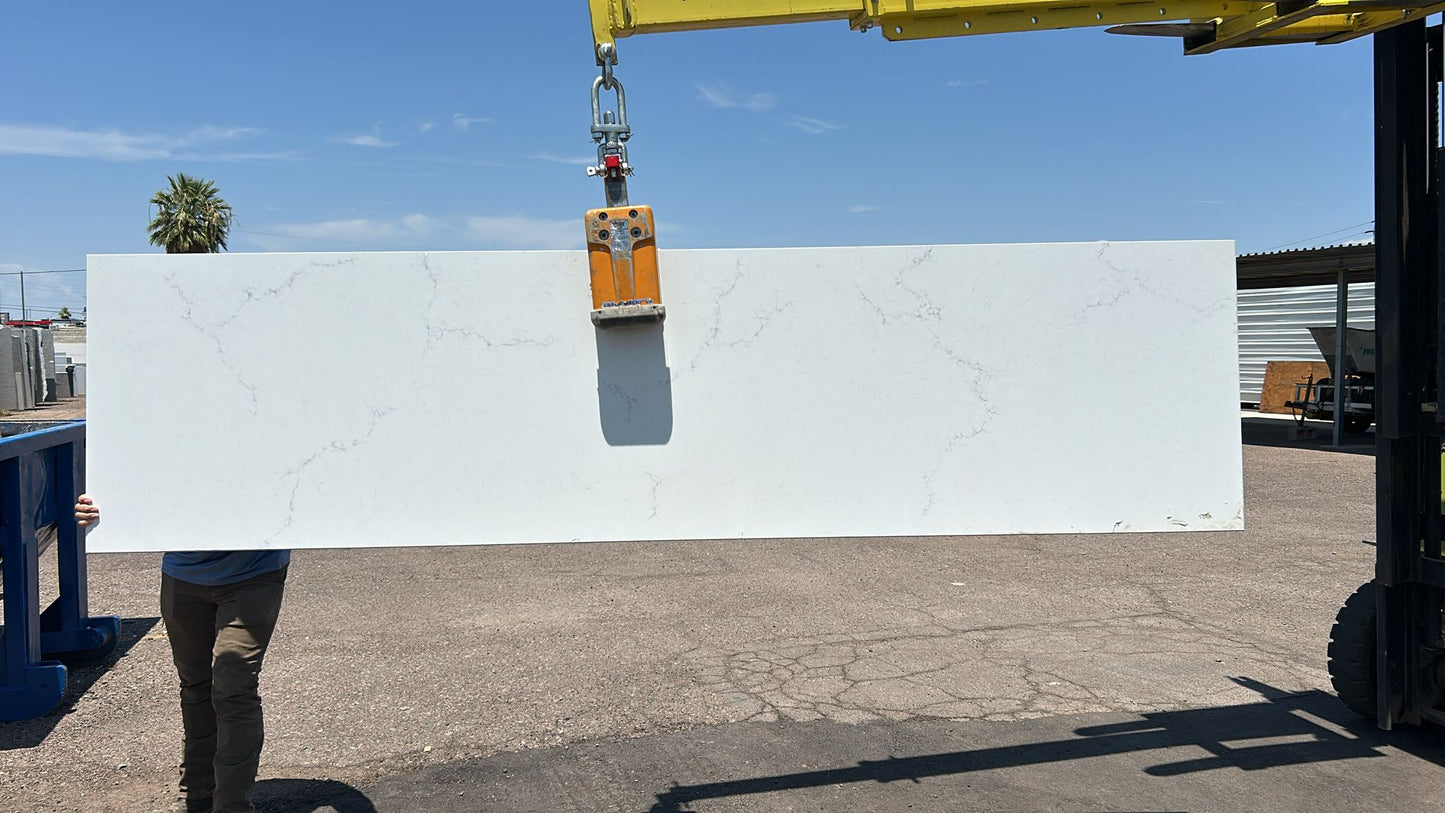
point(1181, 671)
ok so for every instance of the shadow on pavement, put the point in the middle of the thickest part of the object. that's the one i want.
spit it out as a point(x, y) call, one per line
point(307, 795)
point(1314, 727)
point(78, 680)
point(1278, 433)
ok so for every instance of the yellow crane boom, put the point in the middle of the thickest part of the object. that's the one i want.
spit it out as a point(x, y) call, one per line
point(621, 238)
point(1204, 25)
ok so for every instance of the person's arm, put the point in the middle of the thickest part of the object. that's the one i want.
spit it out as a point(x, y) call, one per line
point(86, 511)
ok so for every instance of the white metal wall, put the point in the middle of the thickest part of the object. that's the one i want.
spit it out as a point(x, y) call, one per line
point(1273, 326)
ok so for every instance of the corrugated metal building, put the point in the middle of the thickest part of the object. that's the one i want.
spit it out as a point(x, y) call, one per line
point(1274, 322)
point(1283, 294)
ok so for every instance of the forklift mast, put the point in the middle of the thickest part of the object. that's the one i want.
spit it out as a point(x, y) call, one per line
point(1409, 572)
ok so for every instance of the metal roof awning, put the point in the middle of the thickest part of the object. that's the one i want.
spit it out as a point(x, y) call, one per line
point(1306, 266)
point(1337, 265)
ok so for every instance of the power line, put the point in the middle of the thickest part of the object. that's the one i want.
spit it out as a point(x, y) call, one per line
point(56, 271)
point(1329, 234)
point(48, 272)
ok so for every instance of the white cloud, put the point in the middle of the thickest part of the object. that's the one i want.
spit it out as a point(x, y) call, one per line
point(720, 96)
point(365, 140)
point(420, 231)
point(211, 134)
point(815, 126)
point(112, 144)
point(464, 122)
point(581, 161)
point(283, 155)
point(861, 208)
point(526, 232)
point(108, 145)
point(966, 83)
point(419, 224)
point(425, 126)
point(303, 236)
point(399, 233)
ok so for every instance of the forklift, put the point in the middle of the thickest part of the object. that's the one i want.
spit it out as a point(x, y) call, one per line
point(1386, 654)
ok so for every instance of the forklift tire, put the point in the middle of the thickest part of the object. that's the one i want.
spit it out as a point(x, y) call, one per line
point(1352, 652)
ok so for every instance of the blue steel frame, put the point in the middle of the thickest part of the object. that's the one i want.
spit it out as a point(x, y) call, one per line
point(41, 473)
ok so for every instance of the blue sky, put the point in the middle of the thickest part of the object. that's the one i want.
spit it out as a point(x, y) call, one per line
point(360, 126)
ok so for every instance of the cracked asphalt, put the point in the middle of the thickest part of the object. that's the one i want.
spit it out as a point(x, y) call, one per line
point(1179, 671)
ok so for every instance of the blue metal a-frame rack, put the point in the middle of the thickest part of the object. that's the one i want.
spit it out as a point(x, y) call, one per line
point(40, 475)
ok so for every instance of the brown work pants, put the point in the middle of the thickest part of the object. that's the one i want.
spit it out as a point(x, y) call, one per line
point(218, 640)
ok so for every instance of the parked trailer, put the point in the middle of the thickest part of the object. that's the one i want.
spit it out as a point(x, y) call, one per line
point(1316, 399)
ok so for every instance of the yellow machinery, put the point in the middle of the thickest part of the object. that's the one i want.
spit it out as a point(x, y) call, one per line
point(1387, 660)
point(621, 240)
point(1205, 25)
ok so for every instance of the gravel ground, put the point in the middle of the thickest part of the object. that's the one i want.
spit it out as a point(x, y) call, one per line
point(66, 409)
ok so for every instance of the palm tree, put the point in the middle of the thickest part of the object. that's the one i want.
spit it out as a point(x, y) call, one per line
point(192, 217)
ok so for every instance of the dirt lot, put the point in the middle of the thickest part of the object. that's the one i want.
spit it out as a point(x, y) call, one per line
point(66, 409)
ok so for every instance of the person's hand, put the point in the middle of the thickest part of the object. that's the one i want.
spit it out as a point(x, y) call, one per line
point(86, 511)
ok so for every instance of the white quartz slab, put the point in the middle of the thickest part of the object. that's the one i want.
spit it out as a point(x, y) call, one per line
point(243, 401)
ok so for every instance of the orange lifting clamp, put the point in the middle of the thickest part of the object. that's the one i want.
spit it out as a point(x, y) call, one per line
point(621, 238)
point(622, 251)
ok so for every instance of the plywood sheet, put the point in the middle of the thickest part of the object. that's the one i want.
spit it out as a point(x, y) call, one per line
point(1280, 378)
